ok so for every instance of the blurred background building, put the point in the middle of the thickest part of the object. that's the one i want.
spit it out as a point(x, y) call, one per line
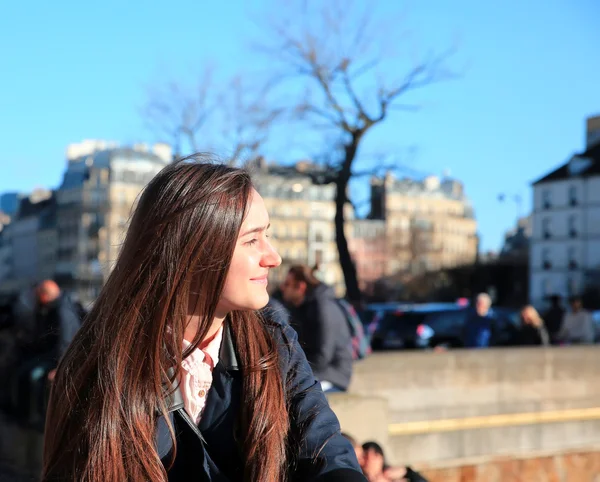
point(74, 234)
point(565, 244)
point(430, 223)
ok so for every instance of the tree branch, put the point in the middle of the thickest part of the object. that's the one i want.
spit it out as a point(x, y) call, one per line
point(173, 112)
point(420, 76)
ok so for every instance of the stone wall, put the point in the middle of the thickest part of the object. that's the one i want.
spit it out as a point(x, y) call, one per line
point(449, 408)
point(568, 467)
point(460, 415)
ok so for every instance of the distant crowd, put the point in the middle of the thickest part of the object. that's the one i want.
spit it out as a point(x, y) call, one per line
point(557, 326)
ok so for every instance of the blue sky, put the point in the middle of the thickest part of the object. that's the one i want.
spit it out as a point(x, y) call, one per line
point(75, 70)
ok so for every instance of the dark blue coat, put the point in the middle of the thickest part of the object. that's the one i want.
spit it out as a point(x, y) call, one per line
point(208, 452)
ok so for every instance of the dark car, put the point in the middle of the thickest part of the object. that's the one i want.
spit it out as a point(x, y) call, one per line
point(429, 326)
point(400, 328)
point(446, 328)
point(372, 314)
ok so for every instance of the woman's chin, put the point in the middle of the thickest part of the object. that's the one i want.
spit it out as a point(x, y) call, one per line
point(257, 303)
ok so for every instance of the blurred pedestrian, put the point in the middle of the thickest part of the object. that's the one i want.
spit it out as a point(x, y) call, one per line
point(532, 330)
point(322, 327)
point(478, 331)
point(55, 324)
point(376, 470)
point(578, 327)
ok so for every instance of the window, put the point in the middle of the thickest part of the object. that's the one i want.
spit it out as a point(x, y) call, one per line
point(572, 254)
point(573, 226)
point(546, 231)
point(573, 195)
point(546, 199)
point(546, 263)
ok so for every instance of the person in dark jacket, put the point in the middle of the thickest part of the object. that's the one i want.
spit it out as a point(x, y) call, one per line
point(532, 331)
point(175, 375)
point(478, 331)
point(55, 324)
point(554, 317)
point(322, 327)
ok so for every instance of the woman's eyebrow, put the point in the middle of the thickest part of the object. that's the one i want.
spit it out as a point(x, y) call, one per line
point(258, 229)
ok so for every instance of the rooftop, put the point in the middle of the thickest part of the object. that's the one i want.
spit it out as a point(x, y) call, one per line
point(585, 164)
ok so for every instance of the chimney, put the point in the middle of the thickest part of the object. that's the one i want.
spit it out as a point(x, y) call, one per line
point(592, 131)
point(163, 151)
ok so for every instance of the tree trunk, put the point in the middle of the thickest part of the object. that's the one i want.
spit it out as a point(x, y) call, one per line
point(352, 291)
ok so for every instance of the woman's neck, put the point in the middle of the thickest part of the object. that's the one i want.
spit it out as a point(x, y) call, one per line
point(192, 327)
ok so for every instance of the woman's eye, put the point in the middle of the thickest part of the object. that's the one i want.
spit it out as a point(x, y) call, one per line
point(252, 242)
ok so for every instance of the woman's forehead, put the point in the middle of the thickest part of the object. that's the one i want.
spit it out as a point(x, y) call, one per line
point(257, 212)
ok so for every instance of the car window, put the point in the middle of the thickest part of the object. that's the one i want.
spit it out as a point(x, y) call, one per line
point(396, 320)
point(445, 319)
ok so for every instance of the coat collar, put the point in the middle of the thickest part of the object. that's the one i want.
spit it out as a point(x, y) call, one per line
point(227, 360)
point(227, 355)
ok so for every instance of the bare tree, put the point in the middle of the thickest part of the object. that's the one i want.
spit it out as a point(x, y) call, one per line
point(348, 85)
point(247, 120)
point(180, 112)
point(236, 118)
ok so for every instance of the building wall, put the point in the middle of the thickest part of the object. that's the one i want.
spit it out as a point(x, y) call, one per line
point(47, 241)
point(450, 239)
point(25, 250)
point(565, 238)
point(557, 193)
point(369, 248)
point(100, 187)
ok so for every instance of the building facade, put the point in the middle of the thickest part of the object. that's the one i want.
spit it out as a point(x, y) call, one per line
point(430, 224)
point(565, 244)
point(516, 240)
point(28, 243)
point(94, 202)
point(369, 248)
point(302, 213)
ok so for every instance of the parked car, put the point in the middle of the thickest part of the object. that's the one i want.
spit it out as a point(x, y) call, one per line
point(434, 325)
point(446, 328)
point(399, 328)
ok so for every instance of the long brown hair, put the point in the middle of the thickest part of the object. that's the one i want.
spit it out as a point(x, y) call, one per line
point(110, 385)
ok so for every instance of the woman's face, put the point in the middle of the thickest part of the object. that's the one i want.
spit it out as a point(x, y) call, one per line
point(246, 284)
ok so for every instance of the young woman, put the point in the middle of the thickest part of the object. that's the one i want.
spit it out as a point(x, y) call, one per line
point(174, 376)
